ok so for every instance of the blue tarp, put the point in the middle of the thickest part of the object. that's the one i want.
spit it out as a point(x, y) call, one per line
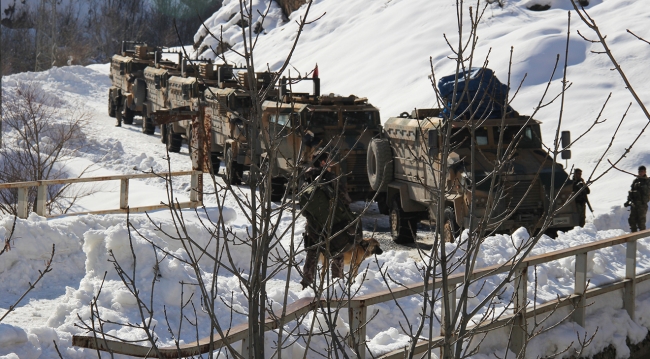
point(478, 88)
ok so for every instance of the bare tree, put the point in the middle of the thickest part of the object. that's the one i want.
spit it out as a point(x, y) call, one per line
point(461, 165)
point(42, 133)
point(461, 310)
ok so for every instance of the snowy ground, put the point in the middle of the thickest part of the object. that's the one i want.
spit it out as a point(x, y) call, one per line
point(374, 49)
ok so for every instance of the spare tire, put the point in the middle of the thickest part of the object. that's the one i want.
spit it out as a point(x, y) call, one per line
point(379, 164)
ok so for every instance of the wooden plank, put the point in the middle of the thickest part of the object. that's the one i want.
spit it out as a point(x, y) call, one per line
point(94, 179)
point(134, 209)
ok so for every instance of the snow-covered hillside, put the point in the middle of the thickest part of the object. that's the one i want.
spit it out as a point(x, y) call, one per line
point(378, 49)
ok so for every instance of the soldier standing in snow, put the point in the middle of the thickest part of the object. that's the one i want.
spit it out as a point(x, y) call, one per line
point(325, 205)
point(580, 196)
point(637, 200)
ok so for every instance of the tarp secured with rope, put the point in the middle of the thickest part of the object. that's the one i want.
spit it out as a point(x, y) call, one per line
point(479, 94)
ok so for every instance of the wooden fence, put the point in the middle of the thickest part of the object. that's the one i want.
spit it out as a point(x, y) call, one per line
point(358, 307)
point(23, 209)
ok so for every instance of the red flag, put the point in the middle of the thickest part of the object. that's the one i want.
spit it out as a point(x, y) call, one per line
point(315, 75)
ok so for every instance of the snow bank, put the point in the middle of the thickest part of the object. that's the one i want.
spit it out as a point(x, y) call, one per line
point(89, 246)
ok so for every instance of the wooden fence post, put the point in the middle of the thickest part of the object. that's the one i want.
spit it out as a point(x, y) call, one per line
point(196, 185)
point(358, 330)
point(124, 193)
point(22, 205)
point(519, 333)
point(244, 348)
point(41, 200)
point(580, 289)
point(629, 291)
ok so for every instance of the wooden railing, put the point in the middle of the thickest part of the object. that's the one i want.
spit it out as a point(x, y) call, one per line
point(22, 206)
point(358, 306)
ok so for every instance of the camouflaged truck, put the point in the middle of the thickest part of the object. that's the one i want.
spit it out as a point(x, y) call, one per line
point(343, 126)
point(228, 107)
point(127, 95)
point(157, 94)
point(409, 188)
point(175, 96)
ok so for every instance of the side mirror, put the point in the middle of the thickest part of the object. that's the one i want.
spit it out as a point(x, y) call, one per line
point(566, 138)
point(566, 141)
point(433, 143)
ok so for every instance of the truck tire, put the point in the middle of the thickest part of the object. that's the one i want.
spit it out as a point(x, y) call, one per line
point(148, 128)
point(451, 228)
point(403, 227)
point(127, 114)
point(233, 173)
point(174, 140)
point(379, 164)
point(111, 106)
point(163, 134)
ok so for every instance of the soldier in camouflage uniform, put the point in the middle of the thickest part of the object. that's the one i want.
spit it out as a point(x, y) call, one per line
point(580, 196)
point(637, 200)
point(327, 212)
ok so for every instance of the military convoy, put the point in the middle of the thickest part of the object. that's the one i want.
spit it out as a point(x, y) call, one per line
point(397, 164)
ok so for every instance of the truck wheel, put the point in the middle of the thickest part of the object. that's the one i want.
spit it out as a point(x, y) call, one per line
point(232, 168)
point(111, 107)
point(174, 140)
point(163, 133)
point(278, 188)
point(379, 164)
point(127, 114)
point(382, 204)
point(403, 228)
point(451, 228)
point(148, 127)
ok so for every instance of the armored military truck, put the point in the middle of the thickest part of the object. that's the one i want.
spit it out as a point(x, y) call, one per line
point(228, 107)
point(174, 96)
point(157, 94)
point(343, 126)
point(404, 166)
point(127, 95)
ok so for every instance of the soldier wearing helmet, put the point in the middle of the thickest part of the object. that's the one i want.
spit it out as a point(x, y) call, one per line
point(637, 200)
point(580, 192)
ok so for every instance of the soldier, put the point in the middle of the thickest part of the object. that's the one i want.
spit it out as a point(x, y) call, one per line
point(327, 212)
point(580, 196)
point(637, 200)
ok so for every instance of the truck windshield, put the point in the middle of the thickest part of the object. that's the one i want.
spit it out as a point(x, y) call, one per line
point(322, 118)
point(462, 136)
point(364, 118)
point(527, 138)
point(283, 119)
